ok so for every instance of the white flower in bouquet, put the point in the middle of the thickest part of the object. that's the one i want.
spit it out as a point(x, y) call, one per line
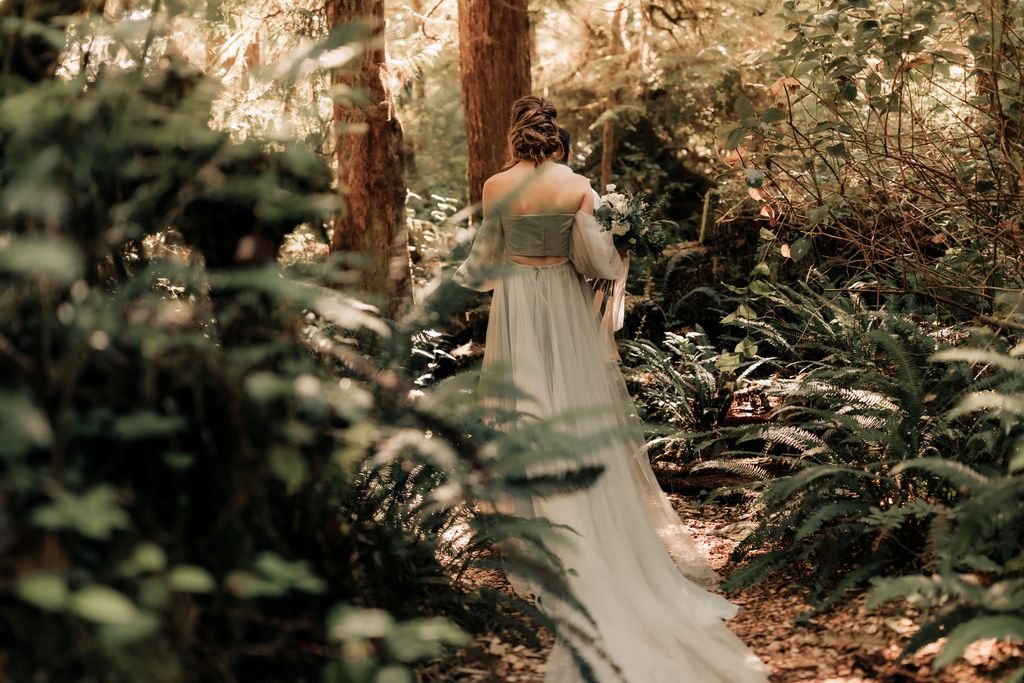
point(630, 219)
point(617, 201)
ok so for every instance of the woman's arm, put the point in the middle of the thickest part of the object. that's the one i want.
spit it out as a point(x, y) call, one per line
point(587, 192)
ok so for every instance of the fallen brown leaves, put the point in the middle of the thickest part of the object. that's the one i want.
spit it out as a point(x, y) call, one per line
point(847, 644)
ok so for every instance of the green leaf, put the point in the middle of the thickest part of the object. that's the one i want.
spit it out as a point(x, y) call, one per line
point(742, 311)
point(744, 108)
point(103, 605)
point(728, 362)
point(347, 622)
point(804, 68)
point(394, 673)
point(955, 472)
point(178, 460)
point(289, 466)
point(45, 590)
point(745, 311)
point(148, 557)
point(289, 69)
point(94, 514)
point(146, 424)
point(838, 150)
point(735, 138)
point(418, 639)
point(189, 578)
point(746, 347)
point(722, 132)
point(42, 257)
point(762, 268)
point(1017, 459)
point(829, 18)
point(799, 249)
point(989, 400)
point(142, 626)
point(774, 114)
point(979, 356)
point(24, 427)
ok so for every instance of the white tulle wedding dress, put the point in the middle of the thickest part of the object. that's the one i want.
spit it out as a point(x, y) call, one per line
point(634, 567)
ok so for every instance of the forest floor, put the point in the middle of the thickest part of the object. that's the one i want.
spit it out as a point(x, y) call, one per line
point(847, 644)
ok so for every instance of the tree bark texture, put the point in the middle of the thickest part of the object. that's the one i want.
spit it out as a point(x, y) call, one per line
point(371, 173)
point(494, 57)
point(608, 128)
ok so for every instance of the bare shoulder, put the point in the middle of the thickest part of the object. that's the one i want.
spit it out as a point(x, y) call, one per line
point(582, 182)
point(494, 189)
point(495, 183)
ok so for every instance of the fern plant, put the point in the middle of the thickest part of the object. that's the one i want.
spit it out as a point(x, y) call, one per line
point(974, 583)
point(867, 399)
point(904, 441)
point(687, 387)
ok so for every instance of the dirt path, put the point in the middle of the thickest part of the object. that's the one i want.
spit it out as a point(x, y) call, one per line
point(846, 645)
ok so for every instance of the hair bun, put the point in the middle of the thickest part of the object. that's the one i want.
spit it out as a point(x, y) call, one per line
point(532, 133)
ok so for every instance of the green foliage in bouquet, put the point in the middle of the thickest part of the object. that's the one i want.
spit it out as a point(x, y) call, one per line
point(633, 223)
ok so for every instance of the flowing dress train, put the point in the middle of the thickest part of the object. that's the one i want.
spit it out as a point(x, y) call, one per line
point(636, 569)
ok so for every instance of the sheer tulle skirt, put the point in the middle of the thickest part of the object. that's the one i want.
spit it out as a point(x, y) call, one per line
point(629, 553)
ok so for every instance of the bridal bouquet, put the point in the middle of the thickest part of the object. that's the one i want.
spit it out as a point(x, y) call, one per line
point(631, 221)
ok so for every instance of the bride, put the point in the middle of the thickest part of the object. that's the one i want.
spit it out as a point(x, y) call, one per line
point(632, 565)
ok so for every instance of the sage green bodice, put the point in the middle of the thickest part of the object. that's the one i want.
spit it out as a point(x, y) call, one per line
point(541, 234)
point(577, 237)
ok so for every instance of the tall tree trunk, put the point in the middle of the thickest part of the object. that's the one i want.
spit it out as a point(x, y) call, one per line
point(607, 145)
point(608, 129)
point(370, 168)
point(494, 57)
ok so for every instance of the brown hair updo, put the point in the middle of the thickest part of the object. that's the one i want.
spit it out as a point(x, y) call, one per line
point(532, 132)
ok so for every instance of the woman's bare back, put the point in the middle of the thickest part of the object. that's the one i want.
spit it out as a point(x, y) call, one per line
point(526, 189)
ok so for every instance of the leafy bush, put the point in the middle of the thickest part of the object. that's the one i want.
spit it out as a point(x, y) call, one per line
point(212, 465)
point(689, 387)
point(866, 400)
point(975, 583)
point(902, 447)
point(889, 143)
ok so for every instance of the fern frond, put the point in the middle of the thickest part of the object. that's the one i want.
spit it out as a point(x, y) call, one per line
point(956, 473)
point(908, 374)
point(745, 468)
point(1000, 627)
point(828, 513)
point(568, 481)
point(886, 590)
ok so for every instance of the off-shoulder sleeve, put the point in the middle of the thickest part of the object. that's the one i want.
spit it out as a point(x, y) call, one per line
point(480, 268)
point(592, 250)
